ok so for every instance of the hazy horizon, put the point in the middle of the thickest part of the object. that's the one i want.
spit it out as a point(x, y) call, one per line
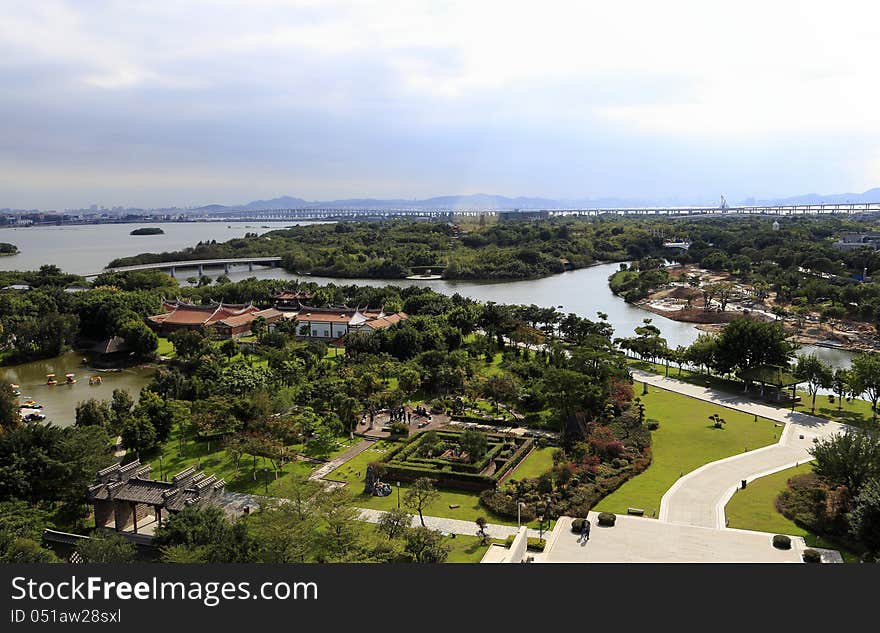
point(116, 103)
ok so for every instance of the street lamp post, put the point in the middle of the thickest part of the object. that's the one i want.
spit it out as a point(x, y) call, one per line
point(266, 479)
point(398, 495)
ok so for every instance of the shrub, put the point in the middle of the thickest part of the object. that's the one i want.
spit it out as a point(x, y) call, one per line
point(505, 505)
point(607, 519)
point(533, 544)
point(652, 425)
point(812, 556)
point(577, 525)
point(780, 541)
point(399, 428)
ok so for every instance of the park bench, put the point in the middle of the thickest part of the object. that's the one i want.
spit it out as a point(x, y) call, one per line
point(635, 511)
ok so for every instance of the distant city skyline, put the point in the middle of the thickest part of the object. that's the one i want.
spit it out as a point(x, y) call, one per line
point(163, 105)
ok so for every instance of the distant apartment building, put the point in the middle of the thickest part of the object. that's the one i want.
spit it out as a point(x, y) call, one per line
point(518, 214)
point(853, 241)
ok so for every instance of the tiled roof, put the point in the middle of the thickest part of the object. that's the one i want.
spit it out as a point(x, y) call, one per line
point(180, 313)
point(131, 483)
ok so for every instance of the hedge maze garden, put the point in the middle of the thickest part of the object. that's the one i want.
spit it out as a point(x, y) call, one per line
point(464, 460)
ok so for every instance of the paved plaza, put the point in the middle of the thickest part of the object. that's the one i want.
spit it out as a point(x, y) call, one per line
point(691, 523)
point(642, 540)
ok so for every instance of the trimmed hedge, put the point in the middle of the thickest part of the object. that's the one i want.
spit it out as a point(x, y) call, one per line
point(781, 541)
point(812, 556)
point(534, 544)
point(400, 464)
point(488, 421)
point(607, 519)
point(515, 459)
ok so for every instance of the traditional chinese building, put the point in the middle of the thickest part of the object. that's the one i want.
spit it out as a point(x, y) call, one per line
point(332, 323)
point(125, 499)
point(227, 319)
point(289, 299)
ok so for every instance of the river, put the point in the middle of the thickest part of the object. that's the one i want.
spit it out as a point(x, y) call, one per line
point(85, 249)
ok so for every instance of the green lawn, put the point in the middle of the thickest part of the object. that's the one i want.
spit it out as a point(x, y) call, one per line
point(214, 461)
point(754, 509)
point(465, 549)
point(685, 441)
point(538, 462)
point(165, 348)
point(353, 472)
point(490, 369)
point(856, 413)
point(334, 352)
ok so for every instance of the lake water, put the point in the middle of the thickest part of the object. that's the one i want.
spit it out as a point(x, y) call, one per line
point(59, 401)
point(85, 249)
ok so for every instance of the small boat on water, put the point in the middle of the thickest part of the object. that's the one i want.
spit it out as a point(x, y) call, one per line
point(50, 380)
point(16, 390)
point(95, 380)
point(70, 379)
point(34, 417)
point(30, 405)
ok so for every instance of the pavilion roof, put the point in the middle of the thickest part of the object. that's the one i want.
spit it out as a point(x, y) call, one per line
point(769, 375)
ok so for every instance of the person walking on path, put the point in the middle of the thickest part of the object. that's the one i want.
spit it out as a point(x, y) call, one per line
point(585, 531)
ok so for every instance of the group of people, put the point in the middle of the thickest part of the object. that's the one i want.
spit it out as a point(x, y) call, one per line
point(422, 411)
point(399, 414)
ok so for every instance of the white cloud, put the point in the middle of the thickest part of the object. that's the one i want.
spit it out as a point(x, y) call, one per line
point(713, 76)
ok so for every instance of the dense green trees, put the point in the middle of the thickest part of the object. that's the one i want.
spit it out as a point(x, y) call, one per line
point(865, 518)
point(21, 532)
point(9, 417)
point(391, 250)
point(848, 459)
point(750, 343)
point(106, 548)
point(865, 378)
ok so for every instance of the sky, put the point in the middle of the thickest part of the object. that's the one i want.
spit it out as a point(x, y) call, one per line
point(191, 102)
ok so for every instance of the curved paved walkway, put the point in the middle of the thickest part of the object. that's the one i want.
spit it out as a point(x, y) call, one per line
point(699, 497)
point(454, 526)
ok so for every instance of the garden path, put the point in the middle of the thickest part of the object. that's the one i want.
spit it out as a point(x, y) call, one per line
point(699, 497)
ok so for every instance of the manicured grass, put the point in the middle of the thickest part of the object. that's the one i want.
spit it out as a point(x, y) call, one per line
point(856, 412)
point(538, 462)
point(754, 509)
point(334, 352)
point(685, 441)
point(354, 471)
point(215, 461)
point(165, 348)
point(490, 369)
point(465, 549)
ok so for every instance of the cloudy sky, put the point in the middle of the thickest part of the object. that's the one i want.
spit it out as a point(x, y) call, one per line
point(190, 102)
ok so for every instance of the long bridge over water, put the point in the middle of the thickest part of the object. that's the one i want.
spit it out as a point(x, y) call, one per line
point(198, 264)
point(330, 214)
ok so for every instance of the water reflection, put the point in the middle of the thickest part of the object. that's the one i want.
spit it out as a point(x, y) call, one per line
point(59, 401)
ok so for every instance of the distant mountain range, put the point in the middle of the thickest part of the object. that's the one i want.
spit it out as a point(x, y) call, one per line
point(493, 202)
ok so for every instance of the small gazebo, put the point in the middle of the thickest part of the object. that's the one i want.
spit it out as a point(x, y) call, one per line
point(775, 376)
